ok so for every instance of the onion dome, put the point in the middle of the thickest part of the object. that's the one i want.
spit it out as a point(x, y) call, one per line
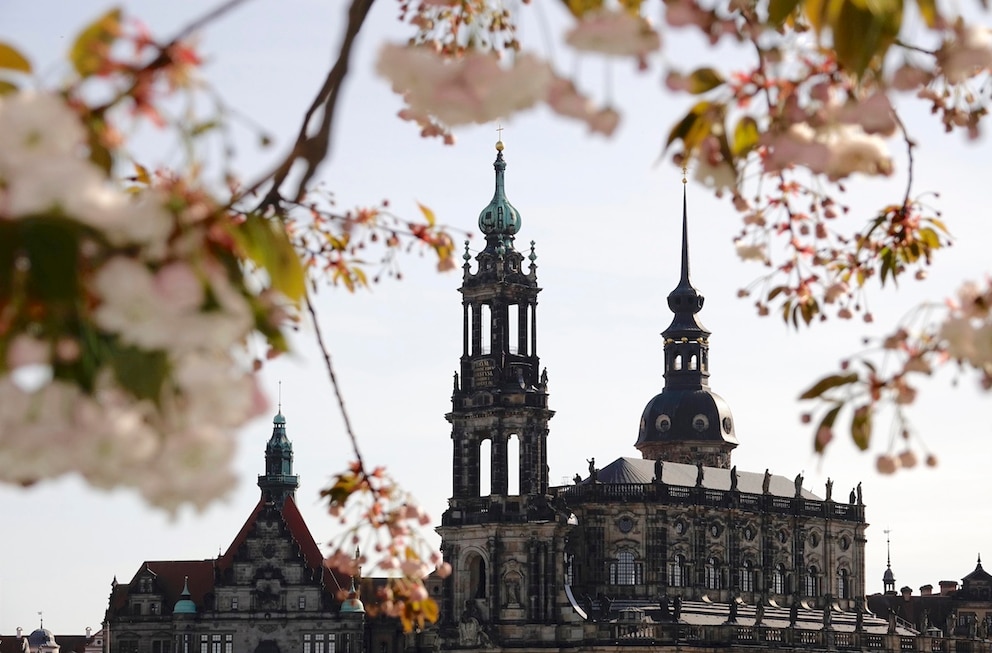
point(352, 604)
point(499, 218)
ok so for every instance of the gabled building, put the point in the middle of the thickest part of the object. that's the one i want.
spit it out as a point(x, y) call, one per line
point(672, 546)
point(268, 593)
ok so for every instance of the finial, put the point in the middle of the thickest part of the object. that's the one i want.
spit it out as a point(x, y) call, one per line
point(532, 256)
point(499, 137)
point(466, 255)
point(888, 550)
point(280, 396)
point(41, 618)
point(684, 171)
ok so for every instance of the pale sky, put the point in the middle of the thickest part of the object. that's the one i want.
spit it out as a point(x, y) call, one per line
point(605, 215)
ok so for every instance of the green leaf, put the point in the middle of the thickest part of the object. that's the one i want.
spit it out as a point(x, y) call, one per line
point(863, 30)
point(51, 246)
point(746, 136)
point(87, 53)
point(780, 10)
point(141, 371)
point(265, 242)
point(11, 59)
point(827, 383)
point(693, 128)
point(861, 427)
point(6, 88)
point(703, 80)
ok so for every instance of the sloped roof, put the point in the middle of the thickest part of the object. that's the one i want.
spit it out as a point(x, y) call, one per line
point(979, 574)
point(170, 575)
point(639, 471)
point(67, 643)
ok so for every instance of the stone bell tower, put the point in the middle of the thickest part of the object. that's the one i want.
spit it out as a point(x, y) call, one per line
point(499, 533)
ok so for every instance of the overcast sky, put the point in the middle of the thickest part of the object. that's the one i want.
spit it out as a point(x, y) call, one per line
point(605, 215)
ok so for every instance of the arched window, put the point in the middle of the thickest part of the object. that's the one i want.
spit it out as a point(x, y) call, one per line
point(692, 362)
point(677, 365)
point(711, 574)
point(811, 582)
point(486, 327)
point(477, 577)
point(746, 574)
point(676, 571)
point(843, 584)
point(778, 580)
point(625, 570)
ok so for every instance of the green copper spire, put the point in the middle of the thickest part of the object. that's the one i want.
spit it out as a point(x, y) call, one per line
point(499, 217)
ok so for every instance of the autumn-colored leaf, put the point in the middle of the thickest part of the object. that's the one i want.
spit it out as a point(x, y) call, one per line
point(746, 136)
point(265, 242)
point(819, 444)
point(861, 427)
point(7, 88)
point(88, 51)
point(428, 214)
point(780, 10)
point(11, 59)
point(828, 383)
point(704, 79)
point(580, 8)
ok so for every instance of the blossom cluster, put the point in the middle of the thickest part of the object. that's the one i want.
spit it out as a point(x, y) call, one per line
point(123, 319)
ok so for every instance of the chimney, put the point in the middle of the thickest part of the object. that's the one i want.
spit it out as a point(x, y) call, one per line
point(19, 631)
point(948, 587)
point(88, 631)
point(906, 592)
point(926, 590)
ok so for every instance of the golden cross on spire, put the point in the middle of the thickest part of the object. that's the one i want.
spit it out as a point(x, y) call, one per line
point(499, 132)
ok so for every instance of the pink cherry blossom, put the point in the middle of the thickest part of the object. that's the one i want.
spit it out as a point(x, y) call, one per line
point(616, 33)
point(967, 54)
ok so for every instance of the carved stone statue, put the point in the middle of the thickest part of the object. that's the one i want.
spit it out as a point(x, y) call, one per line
point(733, 478)
point(799, 485)
point(858, 489)
point(732, 617)
point(658, 468)
point(699, 474)
point(577, 479)
point(759, 612)
point(827, 613)
point(851, 499)
point(468, 630)
point(666, 613)
point(794, 612)
point(677, 607)
point(593, 472)
point(830, 489)
point(766, 483)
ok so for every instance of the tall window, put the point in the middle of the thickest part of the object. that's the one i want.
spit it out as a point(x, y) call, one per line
point(318, 643)
point(746, 574)
point(778, 580)
point(711, 574)
point(477, 577)
point(486, 324)
point(843, 584)
point(676, 571)
point(811, 582)
point(625, 570)
point(217, 643)
point(303, 603)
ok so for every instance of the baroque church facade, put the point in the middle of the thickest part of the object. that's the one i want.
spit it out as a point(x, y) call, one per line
point(669, 546)
point(268, 593)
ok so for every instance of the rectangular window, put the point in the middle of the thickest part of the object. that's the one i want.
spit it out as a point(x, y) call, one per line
point(234, 603)
point(307, 644)
point(215, 648)
point(162, 646)
point(228, 643)
point(204, 643)
point(128, 646)
point(303, 603)
point(154, 608)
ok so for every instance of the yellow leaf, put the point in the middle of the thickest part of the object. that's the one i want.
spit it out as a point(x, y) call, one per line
point(6, 88)
point(141, 174)
point(11, 59)
point(928, 9)
point(265, 242)
point(87, 53)
point(780, 10)
point(580, 8)
point(703, 80)
point(746, 136)
point(428, 214)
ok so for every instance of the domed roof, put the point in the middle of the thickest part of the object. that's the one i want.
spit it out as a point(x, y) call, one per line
point(185, 604)
point(888, 576)
point(681, 414)
point(352, 605)
point(41, 637)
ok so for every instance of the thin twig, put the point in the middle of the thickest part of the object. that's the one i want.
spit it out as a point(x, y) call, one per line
point(314, 149)
point(334, 382)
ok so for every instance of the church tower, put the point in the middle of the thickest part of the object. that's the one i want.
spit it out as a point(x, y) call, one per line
point(687, 422)
point(499, 533)
point(278, 482)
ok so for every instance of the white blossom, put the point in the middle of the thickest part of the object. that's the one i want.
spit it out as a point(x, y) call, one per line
point(37, 127)
point(967, 54)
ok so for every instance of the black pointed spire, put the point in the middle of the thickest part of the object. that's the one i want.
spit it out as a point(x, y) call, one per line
point(685, 301)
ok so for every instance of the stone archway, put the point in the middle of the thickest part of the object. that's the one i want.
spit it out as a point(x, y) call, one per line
point(267, 646)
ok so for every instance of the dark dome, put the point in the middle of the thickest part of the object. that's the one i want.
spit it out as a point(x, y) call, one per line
point(41, 637)
point(687, 415)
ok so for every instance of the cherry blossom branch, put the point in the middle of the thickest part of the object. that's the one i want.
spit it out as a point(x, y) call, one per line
point(325, 352)
point(313, 149)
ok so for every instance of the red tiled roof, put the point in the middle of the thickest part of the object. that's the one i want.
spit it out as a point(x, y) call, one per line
point(67, 643)
point(170, 576)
